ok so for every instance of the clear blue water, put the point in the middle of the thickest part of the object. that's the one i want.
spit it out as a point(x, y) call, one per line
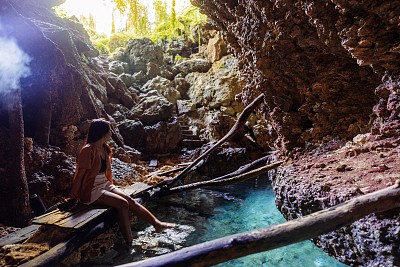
point(253, 208)
point(207, 214)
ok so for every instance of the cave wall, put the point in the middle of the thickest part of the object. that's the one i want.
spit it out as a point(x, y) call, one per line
point(318, 62)
point(57, 91)
point(330, 73)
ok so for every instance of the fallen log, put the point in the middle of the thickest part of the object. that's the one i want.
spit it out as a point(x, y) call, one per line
point(313, 225)
point(229, 180)
point(165, 185)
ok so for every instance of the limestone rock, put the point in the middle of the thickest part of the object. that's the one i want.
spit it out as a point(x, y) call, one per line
point(152, 109)
point(216, 87)
point(216, 48)
point(167, 134)
point(193, 65)
point(164, 87)
point(140, 52)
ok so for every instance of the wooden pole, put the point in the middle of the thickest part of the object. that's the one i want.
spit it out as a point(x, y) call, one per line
point(313, 225)
point(239, 124)
point(165, 185)
point(225, 181)
point(248, 167)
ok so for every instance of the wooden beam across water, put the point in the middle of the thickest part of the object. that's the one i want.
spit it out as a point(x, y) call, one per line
point(294, 231)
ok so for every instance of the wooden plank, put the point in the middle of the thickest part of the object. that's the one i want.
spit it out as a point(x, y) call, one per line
point(135, 188)
point(57, 215)
point(78, 220)
point(41, 217)
point(161, 173)
point(19, 235)
point(75, 218)
point(81, 214)
point(56, 254)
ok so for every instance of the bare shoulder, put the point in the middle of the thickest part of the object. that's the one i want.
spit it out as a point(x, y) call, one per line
point(87, 149)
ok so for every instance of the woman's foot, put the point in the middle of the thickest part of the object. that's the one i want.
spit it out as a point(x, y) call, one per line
point(161, 226)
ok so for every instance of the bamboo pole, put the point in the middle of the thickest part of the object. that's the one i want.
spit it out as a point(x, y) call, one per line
point(313, 225)
point(225, 181)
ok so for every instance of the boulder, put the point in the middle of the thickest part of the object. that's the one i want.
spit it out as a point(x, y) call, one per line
point(193, 65)
point(152, 109)
point(133, 133)
point(164, 87)
point(139, 52)
point(167, 136)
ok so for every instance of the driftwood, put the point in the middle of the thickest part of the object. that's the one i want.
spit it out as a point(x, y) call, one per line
point(313, 225)
point(229, 180)
point(165, 185)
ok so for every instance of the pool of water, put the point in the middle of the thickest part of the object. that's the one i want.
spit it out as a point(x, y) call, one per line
point(207, 214)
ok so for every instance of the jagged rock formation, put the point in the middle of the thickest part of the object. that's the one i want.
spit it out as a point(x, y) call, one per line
point(138, 91)
point(330, 72)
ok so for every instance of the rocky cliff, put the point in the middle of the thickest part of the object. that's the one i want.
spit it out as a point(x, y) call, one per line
point(330, 71)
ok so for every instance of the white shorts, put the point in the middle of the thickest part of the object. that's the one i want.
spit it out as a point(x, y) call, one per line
point(100, 186)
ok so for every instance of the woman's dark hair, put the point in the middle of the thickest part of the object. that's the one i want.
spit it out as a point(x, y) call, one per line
point(98, 129)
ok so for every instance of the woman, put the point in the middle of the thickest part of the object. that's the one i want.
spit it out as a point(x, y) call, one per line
point(93, 183)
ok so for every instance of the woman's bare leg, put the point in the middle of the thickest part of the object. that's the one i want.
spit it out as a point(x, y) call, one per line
point(144, 213)
point(122, 206)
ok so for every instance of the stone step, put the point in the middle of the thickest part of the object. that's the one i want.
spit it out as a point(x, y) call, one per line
point(189, 143)
point(188, 132)
point(184, 127)
point(189, 136)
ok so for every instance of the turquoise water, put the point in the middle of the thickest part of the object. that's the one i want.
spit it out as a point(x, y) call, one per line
point(210, 213)
point(253, 208)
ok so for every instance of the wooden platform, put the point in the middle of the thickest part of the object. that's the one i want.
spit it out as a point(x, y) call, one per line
point(81, 214)
point(19, 235)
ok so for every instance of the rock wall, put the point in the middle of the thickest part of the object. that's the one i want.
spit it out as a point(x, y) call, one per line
point(318, 62)
point(330, 71)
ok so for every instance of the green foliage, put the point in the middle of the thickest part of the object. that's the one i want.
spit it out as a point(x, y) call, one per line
point(160, 10)
point(138, 22)
point(179, 58)
point(84, 58)
point(172, 26)
point(102, 44)
point(118, 40)
point(168, 24)
point(122, 4)
point(108, 45)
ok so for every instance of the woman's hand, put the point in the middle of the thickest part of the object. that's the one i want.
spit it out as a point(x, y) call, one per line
point(67, 204)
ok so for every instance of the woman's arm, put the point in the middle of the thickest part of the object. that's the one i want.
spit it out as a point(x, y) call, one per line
point(83, 164)
point(76, 184)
